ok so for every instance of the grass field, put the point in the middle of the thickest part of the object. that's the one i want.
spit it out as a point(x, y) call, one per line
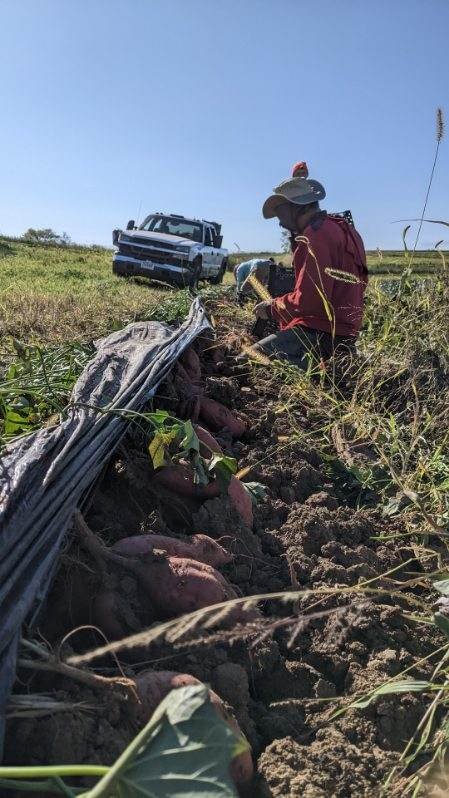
point(54, 293)
point(61, 293)
point(389, 262)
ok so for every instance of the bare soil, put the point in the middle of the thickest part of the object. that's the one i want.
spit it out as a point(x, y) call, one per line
point(284, 688)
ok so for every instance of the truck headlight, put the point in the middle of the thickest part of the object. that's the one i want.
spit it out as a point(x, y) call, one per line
point(183, 250)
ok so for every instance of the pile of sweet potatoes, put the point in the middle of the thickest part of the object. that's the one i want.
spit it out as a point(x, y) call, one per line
point(186, 578)
point(194, 402)
point(177, 575)
point(179, 479)
point(172, 581)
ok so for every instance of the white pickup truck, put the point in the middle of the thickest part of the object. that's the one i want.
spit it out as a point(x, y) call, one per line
point(172, 249)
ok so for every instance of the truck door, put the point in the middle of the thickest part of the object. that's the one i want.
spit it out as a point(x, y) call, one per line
point(208, 253)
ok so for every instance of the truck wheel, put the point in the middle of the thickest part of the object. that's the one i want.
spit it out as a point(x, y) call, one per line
point(218, 278)
point(196, 272)
point(119, 272)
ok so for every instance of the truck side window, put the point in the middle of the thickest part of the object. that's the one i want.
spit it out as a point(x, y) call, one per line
point(208, 238)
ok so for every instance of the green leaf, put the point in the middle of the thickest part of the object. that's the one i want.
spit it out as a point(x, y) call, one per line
point(256, 490)
point(223, 467)
point(183, 752)
point(159, 418)
point(190, 440)
point(223, 460)
point(362, 475)
point(16, 421)
point(200, 475)
point(392, 506)
point(158, 447)
point(402, 686)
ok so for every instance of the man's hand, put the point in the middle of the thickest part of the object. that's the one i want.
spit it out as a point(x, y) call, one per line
point(262, 310)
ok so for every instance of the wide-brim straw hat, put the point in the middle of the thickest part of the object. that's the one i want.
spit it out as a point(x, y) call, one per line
point(297, 190)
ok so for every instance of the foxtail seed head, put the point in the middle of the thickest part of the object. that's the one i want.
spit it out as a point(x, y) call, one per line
point(440, 124)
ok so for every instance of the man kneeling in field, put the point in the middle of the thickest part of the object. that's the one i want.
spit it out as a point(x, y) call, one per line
point(257, 267)
point(324, 311)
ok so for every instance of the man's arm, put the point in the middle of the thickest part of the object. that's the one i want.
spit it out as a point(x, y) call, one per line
point(312, 294)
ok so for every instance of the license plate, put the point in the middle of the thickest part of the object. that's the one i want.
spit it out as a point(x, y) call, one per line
point(147, 264)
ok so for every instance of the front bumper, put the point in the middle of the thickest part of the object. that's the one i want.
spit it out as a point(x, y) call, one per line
point(164, 272)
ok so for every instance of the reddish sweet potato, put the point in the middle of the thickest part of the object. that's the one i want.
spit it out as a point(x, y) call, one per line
point(177, 585)
point(210, 571)
point(208, 444)
point(241, 767)
point(182, 378)
point(241, 501)
point(208, 551)
point(180, 480)
point(198, 547)
point(192, 365)
point(218, 417)
point(153, 686)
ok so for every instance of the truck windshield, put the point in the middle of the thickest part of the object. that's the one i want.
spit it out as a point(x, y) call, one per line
point(175, 227)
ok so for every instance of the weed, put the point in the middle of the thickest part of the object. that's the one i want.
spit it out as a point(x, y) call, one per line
point(36, 385)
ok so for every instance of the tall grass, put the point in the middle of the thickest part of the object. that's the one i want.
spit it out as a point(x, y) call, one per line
point(439, 136)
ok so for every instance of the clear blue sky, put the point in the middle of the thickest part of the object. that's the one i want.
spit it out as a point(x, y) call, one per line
point(201, 106)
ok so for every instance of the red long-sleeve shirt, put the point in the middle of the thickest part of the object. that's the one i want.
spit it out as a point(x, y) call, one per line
point(331, 277)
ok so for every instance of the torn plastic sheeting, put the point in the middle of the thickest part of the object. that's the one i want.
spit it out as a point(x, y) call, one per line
point(44, 476)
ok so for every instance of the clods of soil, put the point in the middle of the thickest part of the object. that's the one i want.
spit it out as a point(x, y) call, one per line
point(286, 680)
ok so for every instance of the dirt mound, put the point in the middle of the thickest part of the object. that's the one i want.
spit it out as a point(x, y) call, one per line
point(330, 765)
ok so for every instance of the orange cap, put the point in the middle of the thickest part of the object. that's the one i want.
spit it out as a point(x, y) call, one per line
point(300, 169)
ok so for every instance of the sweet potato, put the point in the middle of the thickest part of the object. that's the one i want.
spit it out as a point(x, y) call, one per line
point(153, 686)
point(198, 547)
point(209, 570)
point(189, 394)
point(183, 378)
point(241, 500)
point(177, 585)
point(208, 551)
point(208, 444)
point(218, 417)
point(192, 365)
point(180, 480)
